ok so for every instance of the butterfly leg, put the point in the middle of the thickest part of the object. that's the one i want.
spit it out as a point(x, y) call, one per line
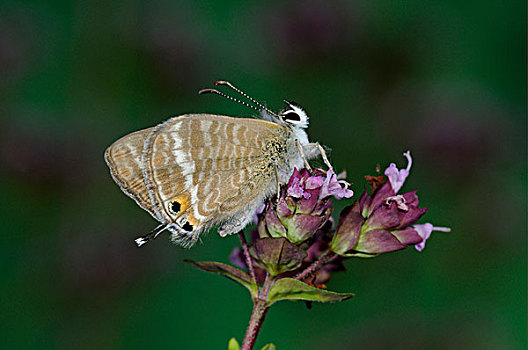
point(278, 182)
point(321, 150)
point(306, 164)
point(325, 158)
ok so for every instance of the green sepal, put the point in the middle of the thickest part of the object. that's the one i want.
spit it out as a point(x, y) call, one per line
point(228, 271)
point(292, 289)
point(269, 346)
point(233, 344)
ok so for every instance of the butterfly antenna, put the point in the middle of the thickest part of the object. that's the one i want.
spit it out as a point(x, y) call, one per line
point(151, 235)
point(223, 82)
point(214, 91)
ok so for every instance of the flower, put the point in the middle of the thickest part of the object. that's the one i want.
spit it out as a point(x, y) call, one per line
point(332, 187)
point(294, 230)
point(382, 221)
point(397, 177)
point(425, 230)
point(303, 207)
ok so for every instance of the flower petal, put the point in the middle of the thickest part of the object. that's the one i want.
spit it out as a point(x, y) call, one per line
point(397, 177)
point(424, 230)
point(343, 192)
point(314, 182)
point(295, 175)
point(332, 187)
point(259, 211)
point(294, 188)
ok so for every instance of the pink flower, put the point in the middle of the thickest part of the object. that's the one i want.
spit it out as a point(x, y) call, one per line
point(425, 230)
point(300, 182)
point(332, 187)
point(397, 177)
point(383, 221)
point(300, 211)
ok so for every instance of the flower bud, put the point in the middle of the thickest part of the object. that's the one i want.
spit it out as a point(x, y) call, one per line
point(276, 255)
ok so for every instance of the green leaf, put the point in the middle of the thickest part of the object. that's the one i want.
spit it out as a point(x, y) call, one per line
point(228, 271)
point(292, 289)
point(269, 346)
point(233, 344)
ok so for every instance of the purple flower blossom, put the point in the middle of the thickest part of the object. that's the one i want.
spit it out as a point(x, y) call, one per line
point(397, 177)
point(332, 187)
point(304, 205)
point(425, 230)
point(302, 181)
point(295, 189)
point(314, 182)
point(382, 221)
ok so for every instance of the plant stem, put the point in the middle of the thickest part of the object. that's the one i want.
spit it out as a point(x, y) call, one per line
point(257, 316)
point(316, 265)
point(247, 256)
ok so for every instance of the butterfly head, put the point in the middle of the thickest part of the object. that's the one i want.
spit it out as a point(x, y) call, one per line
point(294, 115)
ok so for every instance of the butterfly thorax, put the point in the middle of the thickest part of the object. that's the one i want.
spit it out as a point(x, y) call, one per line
point(277, 154)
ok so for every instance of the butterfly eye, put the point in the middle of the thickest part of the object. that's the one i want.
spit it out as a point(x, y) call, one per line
point(175, 207)
point(291, 116)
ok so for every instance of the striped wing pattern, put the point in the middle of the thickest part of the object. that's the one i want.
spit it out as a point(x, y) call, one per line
point(124, 160)
point(211, 165)
point(203, 160)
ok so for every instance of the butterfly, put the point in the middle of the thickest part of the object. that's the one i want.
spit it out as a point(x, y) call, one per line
point(196, 171)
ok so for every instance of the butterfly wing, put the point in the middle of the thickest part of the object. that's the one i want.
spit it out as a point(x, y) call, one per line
point(124, 160)
point(211, 168)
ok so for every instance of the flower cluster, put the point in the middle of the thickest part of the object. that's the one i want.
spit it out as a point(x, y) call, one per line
point(304, 206)
point(296, 230)
point(295, 248)
point(383, 221)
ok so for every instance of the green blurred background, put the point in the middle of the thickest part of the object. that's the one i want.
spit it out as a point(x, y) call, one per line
point(446, 80)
